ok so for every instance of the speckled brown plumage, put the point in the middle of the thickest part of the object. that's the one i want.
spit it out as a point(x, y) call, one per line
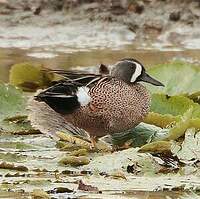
point(116, 106)
point(105, 103)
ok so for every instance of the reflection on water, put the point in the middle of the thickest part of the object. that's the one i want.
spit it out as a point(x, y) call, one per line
point(150, 57)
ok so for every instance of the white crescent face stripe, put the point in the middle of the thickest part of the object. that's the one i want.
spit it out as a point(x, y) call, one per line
point(83, 95)
point(137, 73)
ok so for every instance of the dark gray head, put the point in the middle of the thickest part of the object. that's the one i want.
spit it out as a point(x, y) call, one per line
point(131, 71)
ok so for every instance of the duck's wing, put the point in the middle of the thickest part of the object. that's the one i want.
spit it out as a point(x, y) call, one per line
point(78, 76)
point(61, 97)
point(69, 94)
point(75, 74)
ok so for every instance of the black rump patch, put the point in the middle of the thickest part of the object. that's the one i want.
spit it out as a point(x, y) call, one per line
point(61, 97)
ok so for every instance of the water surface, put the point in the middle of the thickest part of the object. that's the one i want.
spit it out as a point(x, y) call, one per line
point(86, 58)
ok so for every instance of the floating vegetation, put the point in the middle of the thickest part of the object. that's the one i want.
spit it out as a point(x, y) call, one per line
point(161, 153)
point(40, 194)
point(156, 147)
point(80, 152)
point(178, 77)
point(29, 77)
point(5, 165)
point(74, 160)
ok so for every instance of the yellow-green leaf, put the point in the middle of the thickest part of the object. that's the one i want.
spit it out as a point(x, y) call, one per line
point(29, 77)
point(156, 147)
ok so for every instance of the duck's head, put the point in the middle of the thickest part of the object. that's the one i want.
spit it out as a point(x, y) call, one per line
point(132, 71)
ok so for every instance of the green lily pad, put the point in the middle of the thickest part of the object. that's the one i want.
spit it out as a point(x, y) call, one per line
point(12, 101)
point(174, 105)
point(12, 157)
point(160, 120)
point(12, 104)
point(178, 78)
point(29, 77)
point(16, 145)
point(140, 135)
point(178, 130)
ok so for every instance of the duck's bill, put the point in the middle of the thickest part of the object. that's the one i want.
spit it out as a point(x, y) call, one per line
point(147, 78)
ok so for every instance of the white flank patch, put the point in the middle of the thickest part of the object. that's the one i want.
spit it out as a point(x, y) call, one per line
point(83, 96)
point(138, 71)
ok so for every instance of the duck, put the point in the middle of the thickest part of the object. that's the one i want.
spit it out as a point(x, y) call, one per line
point(109, 102)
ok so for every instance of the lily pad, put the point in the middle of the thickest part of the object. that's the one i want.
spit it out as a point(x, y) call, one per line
point(140, 135)
point(189, 149)
point(74, 160)
point(160, 120)
point(174, 105)
point(29, 77)
point(178, 78)
point(5, 165)
point(12, 104)
point(158, 146)
point(39, 194)
point(194, 96)
point(12, 101)
point(179, 129)
point(174, 133)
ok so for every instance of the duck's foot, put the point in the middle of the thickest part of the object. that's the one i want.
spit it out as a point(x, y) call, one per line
point(100, 145)
point(93, 142)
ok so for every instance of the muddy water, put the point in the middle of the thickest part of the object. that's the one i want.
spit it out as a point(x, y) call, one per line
point(37, 152)
point(85, 58)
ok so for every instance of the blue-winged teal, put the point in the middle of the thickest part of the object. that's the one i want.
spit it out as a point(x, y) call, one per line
point(105, 103)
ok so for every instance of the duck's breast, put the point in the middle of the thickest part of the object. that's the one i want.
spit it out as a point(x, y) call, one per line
point(123, 106)
point(115, 106)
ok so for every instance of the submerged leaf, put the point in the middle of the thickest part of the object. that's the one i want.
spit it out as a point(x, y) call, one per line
point(122, 161)
point(178, 78)
point(12, 157)
point(16, 145)
point(29, 77)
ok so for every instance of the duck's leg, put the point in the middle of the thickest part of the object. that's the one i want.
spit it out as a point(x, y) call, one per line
point(99, 145)
point(93, 142)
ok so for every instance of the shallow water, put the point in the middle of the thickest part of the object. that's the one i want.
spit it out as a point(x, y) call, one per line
point(149, 57)
point(39, 152)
